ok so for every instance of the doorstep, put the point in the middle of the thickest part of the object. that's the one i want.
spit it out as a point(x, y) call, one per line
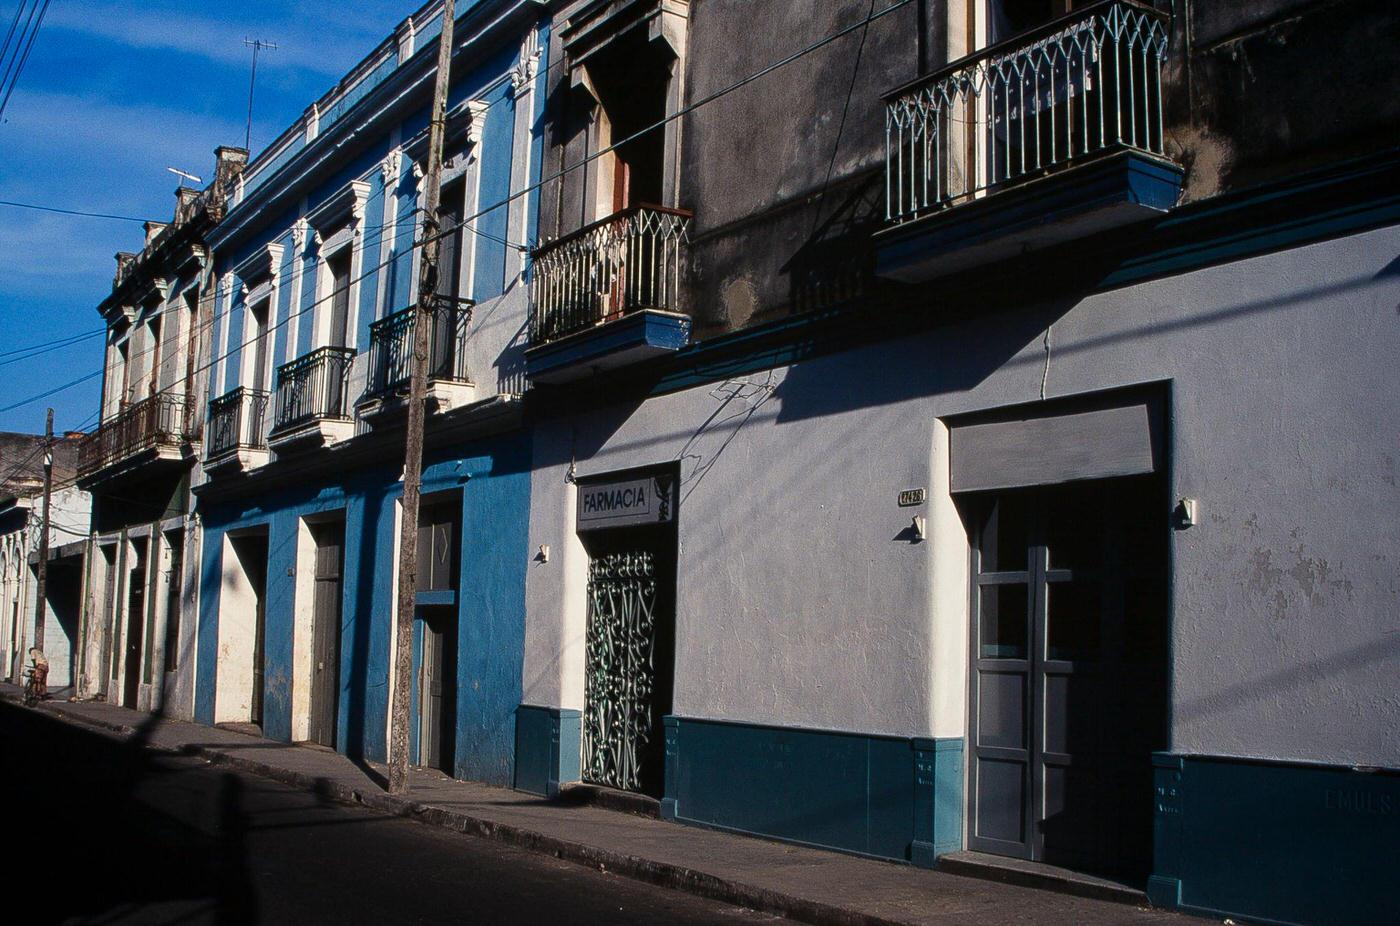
point(580, 792)
point(1040, 875)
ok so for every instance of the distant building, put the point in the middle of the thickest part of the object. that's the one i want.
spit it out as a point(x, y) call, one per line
point(143, 583)
point(21, 523)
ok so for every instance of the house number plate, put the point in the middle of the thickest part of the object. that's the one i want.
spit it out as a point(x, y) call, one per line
point(911, 497)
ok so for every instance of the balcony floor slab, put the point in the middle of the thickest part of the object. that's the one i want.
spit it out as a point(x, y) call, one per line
point(310, 435)
point(1070, 204)
point(630, 339)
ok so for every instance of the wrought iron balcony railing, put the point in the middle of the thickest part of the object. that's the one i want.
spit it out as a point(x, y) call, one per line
point(1079, 86)
point(237, 421)
point(313, 387)
point(626, 262)
point(160, 420)
point(391, 347)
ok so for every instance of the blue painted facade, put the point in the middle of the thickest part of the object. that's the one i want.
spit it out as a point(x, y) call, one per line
point(547, 744)
point(1275, 842)
point(493, 479)
point(887, 797)
point(358, 170)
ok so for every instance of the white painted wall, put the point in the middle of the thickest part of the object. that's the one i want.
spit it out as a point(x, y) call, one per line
point(233, 692)
point(796, 605)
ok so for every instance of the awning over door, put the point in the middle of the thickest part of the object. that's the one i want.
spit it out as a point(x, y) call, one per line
point(1050, 443)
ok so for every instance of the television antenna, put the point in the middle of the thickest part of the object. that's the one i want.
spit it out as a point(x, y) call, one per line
point(257, 45)
point(185, 174)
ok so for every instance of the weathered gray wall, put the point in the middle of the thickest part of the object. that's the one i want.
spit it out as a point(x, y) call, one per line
point(799, 604)
point(785, 174)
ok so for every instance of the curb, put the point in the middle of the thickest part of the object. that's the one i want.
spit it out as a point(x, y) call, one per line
point(660, 874)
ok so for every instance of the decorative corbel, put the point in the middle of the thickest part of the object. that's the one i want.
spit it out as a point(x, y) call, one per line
point(389, 168)
point(476, 120)
point(299, 229)
point(526, 69)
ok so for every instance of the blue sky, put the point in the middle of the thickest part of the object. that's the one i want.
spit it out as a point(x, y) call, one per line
point(113, 94)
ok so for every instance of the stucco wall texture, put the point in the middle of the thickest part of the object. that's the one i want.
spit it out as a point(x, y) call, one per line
point(801, 604)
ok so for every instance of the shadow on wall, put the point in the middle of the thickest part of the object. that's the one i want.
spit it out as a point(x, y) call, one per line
point(1278, 684)
point(355, 677)
point(986, 332)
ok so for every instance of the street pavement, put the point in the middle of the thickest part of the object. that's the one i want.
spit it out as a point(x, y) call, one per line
point(124, 836)
point(105, 797)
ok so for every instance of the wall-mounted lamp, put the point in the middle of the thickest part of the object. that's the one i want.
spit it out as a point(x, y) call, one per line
point(543, 555)
point(919, 527)
point(1185, 513)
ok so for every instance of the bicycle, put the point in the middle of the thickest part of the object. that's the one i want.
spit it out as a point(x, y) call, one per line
point(35, 687)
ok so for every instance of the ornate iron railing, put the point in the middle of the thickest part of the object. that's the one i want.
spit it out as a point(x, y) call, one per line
point(237, 421)
point(313, 387)
point(620, 672)
point(1085, 84)
point(160, 420)
point(391, 346)
point(626, 262)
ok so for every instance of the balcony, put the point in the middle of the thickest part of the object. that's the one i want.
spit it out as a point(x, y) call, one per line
point(1047, 138)
point(153, 431)
point(236, 436)
point(391, 361)
point(608, 295)
point(311, 407)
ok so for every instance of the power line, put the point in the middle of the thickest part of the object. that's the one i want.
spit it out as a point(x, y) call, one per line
point(14, 81)
point(77, 212)
point(30, 353)
point(55, 342)
point(762, 72)
point(54, 391)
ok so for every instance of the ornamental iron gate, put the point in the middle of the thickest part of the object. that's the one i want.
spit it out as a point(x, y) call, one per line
point(618, 721)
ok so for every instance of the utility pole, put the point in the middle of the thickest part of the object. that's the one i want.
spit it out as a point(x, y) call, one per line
point(256, 45)
point(41, 593)
point(413, 450)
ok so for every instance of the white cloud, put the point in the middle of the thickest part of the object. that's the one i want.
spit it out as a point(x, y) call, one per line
point(301, 42)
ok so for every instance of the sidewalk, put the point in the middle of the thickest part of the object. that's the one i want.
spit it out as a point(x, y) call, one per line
point(809, 885)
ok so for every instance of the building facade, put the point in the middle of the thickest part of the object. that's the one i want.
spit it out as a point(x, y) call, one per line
point(967, 425)
point(973, 435)
point(21, 525)
point(316, 268)
point(138, 465)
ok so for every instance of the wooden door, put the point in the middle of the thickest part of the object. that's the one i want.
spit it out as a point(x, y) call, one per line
point(325, 648)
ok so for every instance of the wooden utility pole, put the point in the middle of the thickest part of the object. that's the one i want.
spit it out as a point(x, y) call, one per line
point(418, 385)
point(41, 593)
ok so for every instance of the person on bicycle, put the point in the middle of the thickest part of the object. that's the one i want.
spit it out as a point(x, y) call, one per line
point(39, 671)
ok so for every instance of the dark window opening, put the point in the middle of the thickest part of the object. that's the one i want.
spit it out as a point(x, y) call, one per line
point(439, 543)
point(338, 265)
point(449, 280)
point(259, 317)
point(173, 583)
point(632, 77)
point(1007, 18)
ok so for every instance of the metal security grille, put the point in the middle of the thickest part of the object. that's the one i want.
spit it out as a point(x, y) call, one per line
point(621, 670)
point(1076, 87)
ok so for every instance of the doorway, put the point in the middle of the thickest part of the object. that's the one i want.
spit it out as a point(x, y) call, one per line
point(436, 729)
point(246, 591)
point(1069, 673)
point(326, 598)
point(629, 656)
point(135, 622)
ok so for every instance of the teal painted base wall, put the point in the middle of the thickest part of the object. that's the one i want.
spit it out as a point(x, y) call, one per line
point(1276, 842)
point(546, 748)
point(888, 797)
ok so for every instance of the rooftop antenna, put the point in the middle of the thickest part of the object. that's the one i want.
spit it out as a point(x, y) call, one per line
point(185, 174)
point(257, 45)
